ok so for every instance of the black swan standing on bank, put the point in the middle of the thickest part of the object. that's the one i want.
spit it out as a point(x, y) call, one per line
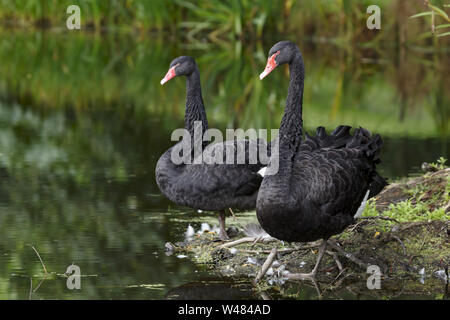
point(212, 187)
point(322, 180)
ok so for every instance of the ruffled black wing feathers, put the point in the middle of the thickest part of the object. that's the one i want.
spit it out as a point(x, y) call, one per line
point(340, 167)
point(213, 186)
point(323, 189)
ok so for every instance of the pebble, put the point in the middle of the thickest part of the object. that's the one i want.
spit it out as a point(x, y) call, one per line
point(169, 248)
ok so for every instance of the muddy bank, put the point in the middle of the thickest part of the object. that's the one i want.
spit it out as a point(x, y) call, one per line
point(405, 231)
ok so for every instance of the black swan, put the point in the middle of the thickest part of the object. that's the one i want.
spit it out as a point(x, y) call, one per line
point(323, 180)
point(212, 187)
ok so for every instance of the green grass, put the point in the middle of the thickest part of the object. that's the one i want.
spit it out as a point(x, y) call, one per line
point(439, 164)
point(426, 200)
point(407, 211)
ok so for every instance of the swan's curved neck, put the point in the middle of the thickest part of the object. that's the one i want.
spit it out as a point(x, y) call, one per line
point(195, 110)
point(291, 128)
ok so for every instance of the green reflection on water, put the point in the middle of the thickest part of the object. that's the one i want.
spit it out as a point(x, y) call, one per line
point(393, 93)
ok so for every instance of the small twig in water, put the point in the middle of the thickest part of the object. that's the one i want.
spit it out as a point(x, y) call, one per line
point(238, 241)
point(287, 250)
point(349, 256)
point(256, 241)
point(40, 283)
point(244, 240)
point(31, 289)
point(337, 277)
point(266, 265)
point(43, 265)
point(232, 213)
point(336, 259)
point(45, 270)
point(341, 280)
point(379, 218)
point(356, 225)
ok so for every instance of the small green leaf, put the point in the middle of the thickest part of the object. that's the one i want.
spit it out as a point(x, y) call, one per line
point(422, 14)
point(443, 34)
point(424, 35)
point(442, 26)
point(439, 11)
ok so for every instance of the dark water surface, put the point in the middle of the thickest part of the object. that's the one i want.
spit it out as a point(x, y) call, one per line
point(83, 121)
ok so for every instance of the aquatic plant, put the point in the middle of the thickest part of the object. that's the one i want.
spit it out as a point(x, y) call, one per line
point(437, 14)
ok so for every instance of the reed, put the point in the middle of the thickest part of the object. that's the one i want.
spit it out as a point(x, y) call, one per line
point(219, 20)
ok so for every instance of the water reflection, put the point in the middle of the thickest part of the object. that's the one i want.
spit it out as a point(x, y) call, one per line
point(213, 289)
point(83, 121)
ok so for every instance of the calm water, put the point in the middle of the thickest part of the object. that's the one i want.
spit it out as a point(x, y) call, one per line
point(83, 121)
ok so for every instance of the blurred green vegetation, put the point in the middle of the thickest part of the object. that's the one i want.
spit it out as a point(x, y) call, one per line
point(436, 13)
point(396, 93)
point(234, 19)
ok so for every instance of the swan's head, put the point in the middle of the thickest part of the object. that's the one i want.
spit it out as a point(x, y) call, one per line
point(282, 52)
point(181, 66)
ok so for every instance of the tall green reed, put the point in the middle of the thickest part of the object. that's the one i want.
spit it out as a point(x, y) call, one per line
point(218, 20)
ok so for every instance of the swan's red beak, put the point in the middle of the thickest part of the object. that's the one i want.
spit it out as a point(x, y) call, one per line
point(169, 75)
point(271, 64)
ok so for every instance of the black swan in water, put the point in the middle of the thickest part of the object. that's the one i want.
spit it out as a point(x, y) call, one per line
point(322, 180)
point(212, 187)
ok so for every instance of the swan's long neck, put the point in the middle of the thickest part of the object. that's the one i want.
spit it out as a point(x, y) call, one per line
point(195, 110)
point(291, 128)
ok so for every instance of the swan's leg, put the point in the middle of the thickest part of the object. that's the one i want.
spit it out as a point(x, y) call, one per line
point(312, 274)
point(223, 231)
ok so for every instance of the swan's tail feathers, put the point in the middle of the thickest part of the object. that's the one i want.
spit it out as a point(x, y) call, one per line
point(361, 139)
point(321, 133)
point(337, 139)
point(341, 132)
point(361, 208)
point(370, 144)
point(341, 135)
point(378, 183)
